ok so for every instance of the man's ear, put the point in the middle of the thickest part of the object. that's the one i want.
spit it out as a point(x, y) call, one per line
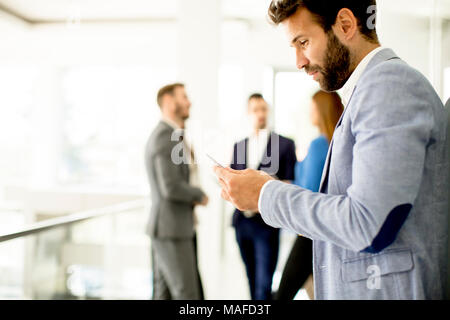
point(346, 25)
point(168, 101)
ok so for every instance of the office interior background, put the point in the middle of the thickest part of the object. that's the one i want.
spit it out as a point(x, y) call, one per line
point(78, 84)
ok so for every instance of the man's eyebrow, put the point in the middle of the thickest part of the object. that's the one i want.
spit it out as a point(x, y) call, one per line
point(296, 38)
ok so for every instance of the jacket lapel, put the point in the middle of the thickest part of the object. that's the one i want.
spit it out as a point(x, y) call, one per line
point(246, 153)
point(383, 55)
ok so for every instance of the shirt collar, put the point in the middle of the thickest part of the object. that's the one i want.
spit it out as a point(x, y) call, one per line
point(171, 123)
point(346, 91)
point(262, 134)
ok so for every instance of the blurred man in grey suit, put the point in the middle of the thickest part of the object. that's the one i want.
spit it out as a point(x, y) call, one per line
point(172, 174)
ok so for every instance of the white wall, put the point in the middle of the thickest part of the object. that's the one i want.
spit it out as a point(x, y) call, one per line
point(140, 43)
point(51, 48)
point(408, 37)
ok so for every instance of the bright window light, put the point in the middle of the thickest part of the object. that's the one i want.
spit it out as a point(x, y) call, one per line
point(109, 114)
point(16, 97)
point(293, 92)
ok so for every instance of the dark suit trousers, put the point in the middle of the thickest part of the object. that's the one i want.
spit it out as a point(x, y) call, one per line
point(297, 269)
point(259, 245)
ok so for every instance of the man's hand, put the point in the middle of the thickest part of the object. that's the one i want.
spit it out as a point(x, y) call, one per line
point(204, 201)
point(242, 188)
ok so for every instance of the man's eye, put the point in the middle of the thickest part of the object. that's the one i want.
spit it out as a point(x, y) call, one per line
point(303, 43)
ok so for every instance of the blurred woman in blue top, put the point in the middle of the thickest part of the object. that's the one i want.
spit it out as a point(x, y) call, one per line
point(326, 110)
point(308, 172)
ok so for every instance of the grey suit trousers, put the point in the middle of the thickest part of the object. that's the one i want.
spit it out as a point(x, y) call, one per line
point(175, 271)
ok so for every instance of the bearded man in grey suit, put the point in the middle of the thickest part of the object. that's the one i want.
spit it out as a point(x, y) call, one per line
point(172, 174)
point(380, 221)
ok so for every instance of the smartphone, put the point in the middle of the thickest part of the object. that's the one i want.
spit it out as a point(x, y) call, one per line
point(215, 162)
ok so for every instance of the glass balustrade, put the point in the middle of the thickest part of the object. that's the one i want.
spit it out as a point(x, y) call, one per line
point(106, 257)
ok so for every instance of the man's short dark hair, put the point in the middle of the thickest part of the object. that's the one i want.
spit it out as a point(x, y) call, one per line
point(169, 89)
point(255, 96)
point(325, 13)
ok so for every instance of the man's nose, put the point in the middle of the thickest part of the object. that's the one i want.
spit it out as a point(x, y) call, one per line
point(302, 61)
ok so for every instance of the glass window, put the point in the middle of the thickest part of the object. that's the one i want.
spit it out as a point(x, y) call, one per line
point(232, 97)
point(293, 92)
point(16, 96)
point(109, 114)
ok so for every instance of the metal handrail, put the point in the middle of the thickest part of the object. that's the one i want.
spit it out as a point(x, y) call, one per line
point(73, 218)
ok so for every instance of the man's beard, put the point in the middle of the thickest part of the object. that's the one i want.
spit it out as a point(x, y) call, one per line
point(179, 112)
point(337, 63)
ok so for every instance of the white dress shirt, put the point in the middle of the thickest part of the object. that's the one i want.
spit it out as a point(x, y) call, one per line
point(193, 168)
point(256, 148)
point(346, 93)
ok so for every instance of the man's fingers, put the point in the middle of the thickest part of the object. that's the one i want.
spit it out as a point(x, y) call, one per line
point(224, 174)
point(234, 171)
point(222, 184)
point(227, 172)
point(225, 195)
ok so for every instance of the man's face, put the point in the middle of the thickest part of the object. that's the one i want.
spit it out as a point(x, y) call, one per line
point(258, 112)
point(182, 103)
point(321, 54)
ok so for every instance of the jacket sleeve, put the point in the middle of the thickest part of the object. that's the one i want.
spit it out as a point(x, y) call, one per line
point(391, 122)
point(171, 182)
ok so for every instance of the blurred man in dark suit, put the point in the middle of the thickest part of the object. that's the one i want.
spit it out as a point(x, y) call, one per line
point(262, 150)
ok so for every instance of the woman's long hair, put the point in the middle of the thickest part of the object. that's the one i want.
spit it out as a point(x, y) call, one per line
point(330, 109)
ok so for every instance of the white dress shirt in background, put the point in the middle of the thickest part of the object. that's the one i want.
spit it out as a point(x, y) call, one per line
point(256, 148)
point(193, 168)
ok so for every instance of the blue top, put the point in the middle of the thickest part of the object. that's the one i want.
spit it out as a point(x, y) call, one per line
point(308, 173)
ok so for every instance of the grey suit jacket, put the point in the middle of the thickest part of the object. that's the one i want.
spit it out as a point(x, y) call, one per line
point(380, 223)
point(171, 214)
